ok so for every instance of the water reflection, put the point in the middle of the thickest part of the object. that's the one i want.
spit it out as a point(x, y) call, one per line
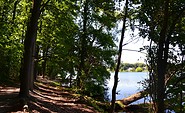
point(128, 84)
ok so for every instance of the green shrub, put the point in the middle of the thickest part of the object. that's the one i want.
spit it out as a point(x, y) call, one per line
point(139, 69)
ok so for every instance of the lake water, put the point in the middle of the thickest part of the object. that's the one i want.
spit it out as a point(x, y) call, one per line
point(128, 84)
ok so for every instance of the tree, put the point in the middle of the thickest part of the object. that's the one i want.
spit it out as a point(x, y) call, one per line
point(83, 42)
point(95, 45)
point(13, 20)
point(162, 55)
point(119, 59)
point(162, 25)
point(29, 43)
point(139, 69)
point(57, 46)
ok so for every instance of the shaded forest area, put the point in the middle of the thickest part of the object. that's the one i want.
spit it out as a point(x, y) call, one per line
point(74, 41)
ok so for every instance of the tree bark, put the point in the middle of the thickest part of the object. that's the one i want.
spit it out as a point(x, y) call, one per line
point(83, 43)
point(36, 62)
point(119, 60)
point(14, 10)
point(133, 98)
point(45, 54)
point(162, 55)
point(32, 66)
point(28, 49)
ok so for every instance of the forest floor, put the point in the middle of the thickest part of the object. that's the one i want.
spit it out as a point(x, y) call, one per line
point(45, 98)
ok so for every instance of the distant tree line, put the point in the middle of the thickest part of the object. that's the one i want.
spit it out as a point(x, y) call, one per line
point(136, 67)
point(132, 67)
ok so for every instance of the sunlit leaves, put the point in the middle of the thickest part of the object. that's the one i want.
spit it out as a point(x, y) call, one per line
point(96, 19)
point(151, 16)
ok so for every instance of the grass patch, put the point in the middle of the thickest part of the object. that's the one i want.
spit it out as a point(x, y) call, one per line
point(55, 84)
point(102, 107)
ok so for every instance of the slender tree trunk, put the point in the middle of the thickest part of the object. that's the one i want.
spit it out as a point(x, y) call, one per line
point(45, 54)
point(28, 50)
point(70, 80)
point(119, 60)
point(36, 70)
point(181, 93)
point(14, 10)
point(83, 45)
point(44, 68)
point(70, 76)
point(162, 55)
point(36, 63)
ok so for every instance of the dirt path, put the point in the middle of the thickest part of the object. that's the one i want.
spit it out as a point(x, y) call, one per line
point(44, 99)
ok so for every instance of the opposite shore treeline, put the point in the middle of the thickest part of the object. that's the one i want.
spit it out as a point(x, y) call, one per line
point(132, 67)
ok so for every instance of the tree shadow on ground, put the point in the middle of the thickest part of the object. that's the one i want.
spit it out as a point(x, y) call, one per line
point(9, 101)
point(47, 99)
point(43, 99)
point(48, 107)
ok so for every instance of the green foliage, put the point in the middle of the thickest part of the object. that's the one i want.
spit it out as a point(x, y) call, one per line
point(60, 34)
point(139, 69)
point(96, 45)
point(175, 90)
point(151, 20)
point(13, 23)
point(58, 44)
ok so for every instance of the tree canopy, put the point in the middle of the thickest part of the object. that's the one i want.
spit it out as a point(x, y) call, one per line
point(74, 41)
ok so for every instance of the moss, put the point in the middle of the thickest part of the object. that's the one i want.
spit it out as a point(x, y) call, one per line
point(120, 104)
point(55, 83)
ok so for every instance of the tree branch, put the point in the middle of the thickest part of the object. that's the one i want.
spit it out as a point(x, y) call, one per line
point(44, 5)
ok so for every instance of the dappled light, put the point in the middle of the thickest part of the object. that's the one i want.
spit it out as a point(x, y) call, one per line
point(92, 56)
point(44, 99)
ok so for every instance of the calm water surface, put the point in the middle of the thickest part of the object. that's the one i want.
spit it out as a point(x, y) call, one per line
point(128, 84)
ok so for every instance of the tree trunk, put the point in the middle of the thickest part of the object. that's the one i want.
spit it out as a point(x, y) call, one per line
point(134, 97)
point(14, 10)
point(181, 93)
point(83, 47)
point(119, 60)
point(32, 66)
point(45, 54)
point(36, 63)
point(28, 50)
point(162, 55)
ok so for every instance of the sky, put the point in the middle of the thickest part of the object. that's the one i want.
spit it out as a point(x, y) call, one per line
point(131, 56)
point(139, 42)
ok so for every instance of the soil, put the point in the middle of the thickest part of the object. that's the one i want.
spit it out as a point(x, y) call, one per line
point(43, 99)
